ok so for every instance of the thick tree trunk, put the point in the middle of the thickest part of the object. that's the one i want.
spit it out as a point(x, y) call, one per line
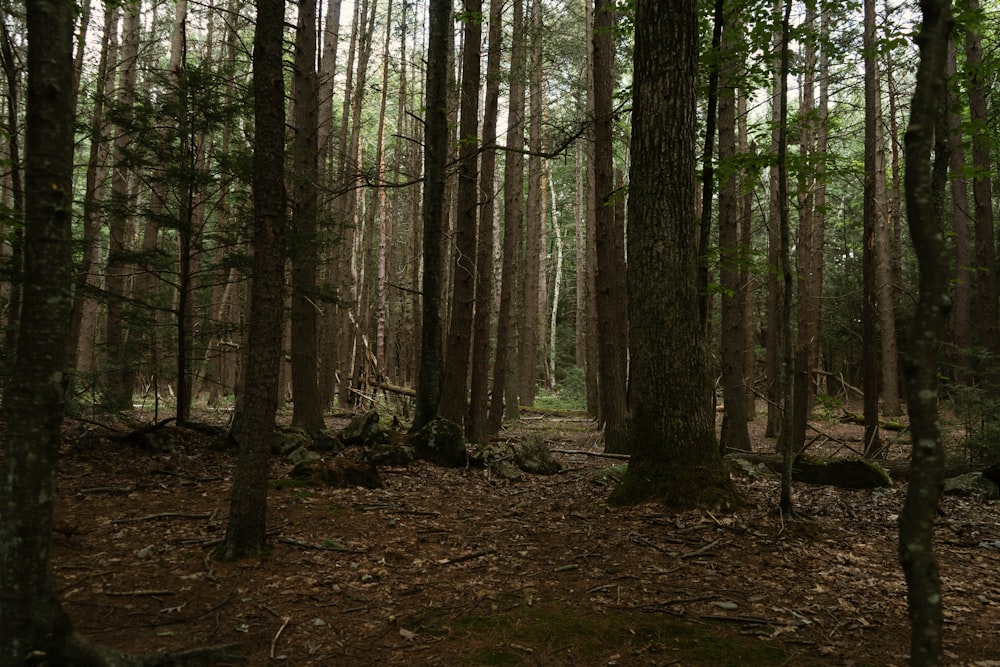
point(675, 455)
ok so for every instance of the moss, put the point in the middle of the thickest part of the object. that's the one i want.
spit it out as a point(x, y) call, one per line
point(675, 486)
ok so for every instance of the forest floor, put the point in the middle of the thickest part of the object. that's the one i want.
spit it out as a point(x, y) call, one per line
point(449, 567)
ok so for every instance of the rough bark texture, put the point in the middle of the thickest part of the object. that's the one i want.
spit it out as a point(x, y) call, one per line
point(924, 204)
point(31, 618)
point(964, 273)
point(307, 409)
point(675, 455)
point(455, 378)
point(869, 314)
point(245, 534)
point(435, 156)
point(775, 288)
point(610, 279)
point(734, 434)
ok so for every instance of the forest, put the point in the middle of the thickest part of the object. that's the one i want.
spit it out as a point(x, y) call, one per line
point(526, 332)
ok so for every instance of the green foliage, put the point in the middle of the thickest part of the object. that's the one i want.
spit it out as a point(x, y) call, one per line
point(977, 407)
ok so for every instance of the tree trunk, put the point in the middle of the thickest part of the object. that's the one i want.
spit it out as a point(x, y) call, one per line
point(307, 410)
point(505, 387)
point(476, 425)
point(245, 534)
point(675, 456)
point(435, 157)
point(925, 206)
point(734, 433)
point(455, 378)
point(964, 272)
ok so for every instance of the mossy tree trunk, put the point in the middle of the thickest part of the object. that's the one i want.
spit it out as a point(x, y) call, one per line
point(675, 456)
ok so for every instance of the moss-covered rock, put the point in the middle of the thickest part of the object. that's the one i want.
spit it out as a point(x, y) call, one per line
point(846, 473)
point(364, 430)
point(533, 456)
point(442, 443)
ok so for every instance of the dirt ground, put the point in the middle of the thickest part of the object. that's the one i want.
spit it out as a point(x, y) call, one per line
point(449, 567)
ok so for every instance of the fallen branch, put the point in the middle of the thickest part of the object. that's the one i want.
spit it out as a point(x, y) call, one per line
point(698, 552)
point(274, 642)
point(465, 557)
point(165, 515)
point(333, 546)
point(620, 457)
point(137, 593)
point(109, 489)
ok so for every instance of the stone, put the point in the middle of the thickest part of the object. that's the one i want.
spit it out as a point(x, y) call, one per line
point(303, 455)
point(533, 456)
point(289, 438)
point(846, 473)
point(992, 473)
point(442, 443)
point(973, 484)
point(364, 429)
point(393, 454)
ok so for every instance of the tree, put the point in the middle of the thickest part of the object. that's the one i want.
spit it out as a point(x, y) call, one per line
point(870, 258)
point(254, 427)
point(435, 157)
point(675, 456)
point(307, 410)
point(610, 279)
point(454, 400)
point(734, 434)
point(927, 132)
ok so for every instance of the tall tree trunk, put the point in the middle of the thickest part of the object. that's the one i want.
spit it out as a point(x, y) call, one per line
point(734, 433)
point(774, 339)
point(610, 280)
point(505, 387)
point(869, 261)
point(591, 346)
point(987, 325)
point(245, 534)
point(120, 380)
point(476, 425)
point(675, 456)
point(12, 77)
point(455, 378)
point(964, 273)
point(435, 157)
point(925, 206)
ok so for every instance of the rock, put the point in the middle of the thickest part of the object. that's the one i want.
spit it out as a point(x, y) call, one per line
point(973, 484)
point(340, 473)
point(993, 473)
point(394, 454)
point(442, 443)
point(303, 455)
point(745, 468)
point(497, 458)
point(849, 473)
point(364, 430)
point(289, 438)
point(324, 441)
point(533, 456)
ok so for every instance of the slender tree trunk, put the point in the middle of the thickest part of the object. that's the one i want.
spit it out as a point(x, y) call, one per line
point(610, 280)
point(12, 77)
point(734, 433)
point(964, 274)
point(455, 378)
point(245, 534)
point(774, 340)
point(925, 207)
point(592, 363)
point(476, 425)
point(505, 387)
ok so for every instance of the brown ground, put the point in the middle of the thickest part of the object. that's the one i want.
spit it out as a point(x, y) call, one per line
point(448, 567)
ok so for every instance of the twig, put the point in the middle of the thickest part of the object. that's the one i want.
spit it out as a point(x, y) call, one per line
point(322, 547)
point(755, 620)
point(465, 557)
point(109, 489)
point(699, 552)
point(274, 641)
point(165, 515)
point(137, 593)
point(620, 457)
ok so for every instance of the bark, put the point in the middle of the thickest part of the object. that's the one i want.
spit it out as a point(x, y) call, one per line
point(774, 337)
point(734, 433)
point(307, 409)
point(476, 425)
point(245, 534)
point(924, 205)
point(119, 381)
point(964, 274)
point(435, 157)
point(610, 279)
point(675, 455)
point(504, 400)
point(12, 77)
point(869, 260)
point(455, 377)
point(31, 617)
point(707, 164)
point(591, 362)
point(986, 288)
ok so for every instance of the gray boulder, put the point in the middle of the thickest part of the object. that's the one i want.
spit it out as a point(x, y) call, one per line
point(442, 443)
point(533, 456)
point(972, 484)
